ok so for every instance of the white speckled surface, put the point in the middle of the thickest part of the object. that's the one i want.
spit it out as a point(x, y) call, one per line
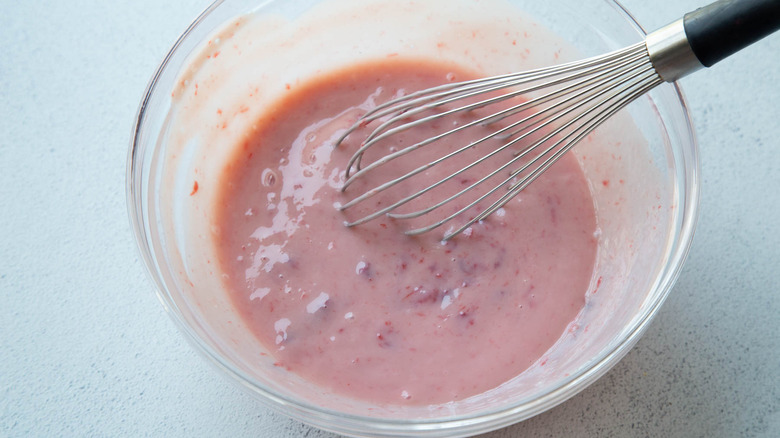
point(86, 349)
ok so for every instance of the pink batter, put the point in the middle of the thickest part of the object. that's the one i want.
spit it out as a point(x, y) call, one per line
point(367, 311)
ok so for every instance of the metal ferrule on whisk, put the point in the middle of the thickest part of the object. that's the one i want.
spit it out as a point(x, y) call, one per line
point(671, 53)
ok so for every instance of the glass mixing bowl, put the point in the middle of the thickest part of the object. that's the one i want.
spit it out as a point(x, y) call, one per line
point(646, 227)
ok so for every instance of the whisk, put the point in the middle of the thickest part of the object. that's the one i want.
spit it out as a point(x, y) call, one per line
point(557, 107)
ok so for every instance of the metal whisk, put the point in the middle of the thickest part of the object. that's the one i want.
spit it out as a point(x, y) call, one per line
point(556, 106)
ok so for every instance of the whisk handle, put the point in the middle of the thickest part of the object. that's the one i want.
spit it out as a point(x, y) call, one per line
point(723, 28)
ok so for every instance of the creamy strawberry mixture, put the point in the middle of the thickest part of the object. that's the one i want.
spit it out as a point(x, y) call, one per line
point(372, 313)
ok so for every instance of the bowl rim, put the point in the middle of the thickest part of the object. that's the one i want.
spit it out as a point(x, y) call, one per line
point(353, 424)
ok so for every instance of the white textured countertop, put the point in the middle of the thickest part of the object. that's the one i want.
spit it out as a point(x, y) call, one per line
point(87, 350)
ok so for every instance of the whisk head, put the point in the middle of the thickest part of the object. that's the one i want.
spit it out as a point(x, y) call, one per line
point(457, 153)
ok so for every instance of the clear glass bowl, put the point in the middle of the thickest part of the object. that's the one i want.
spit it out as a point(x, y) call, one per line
point(647, 226)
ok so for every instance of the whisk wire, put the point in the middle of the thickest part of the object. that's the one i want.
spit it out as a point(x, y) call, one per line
point(402, 103)
point(572, 105)
point(580, 97)
point(601, 82)
point(591, 125)
point(520, 185)
point(484, 121)
point(585, 130)
point(430, 102)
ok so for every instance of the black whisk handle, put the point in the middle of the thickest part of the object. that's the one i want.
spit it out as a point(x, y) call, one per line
point(727, 26)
